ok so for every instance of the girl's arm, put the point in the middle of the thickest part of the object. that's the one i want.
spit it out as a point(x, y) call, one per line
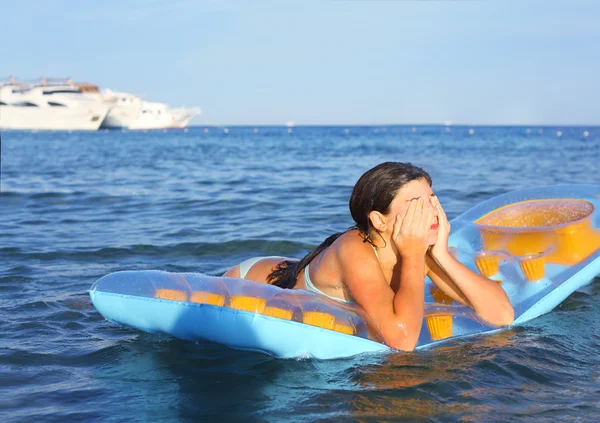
point(483, 295)
point(398, 316)
point(443, 281)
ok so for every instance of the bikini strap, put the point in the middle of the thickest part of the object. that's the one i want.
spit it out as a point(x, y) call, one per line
point(376, 254)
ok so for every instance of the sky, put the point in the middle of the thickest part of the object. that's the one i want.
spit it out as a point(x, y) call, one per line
point(341, 62)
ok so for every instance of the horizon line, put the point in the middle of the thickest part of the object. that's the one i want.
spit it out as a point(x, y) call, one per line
point(296, 125)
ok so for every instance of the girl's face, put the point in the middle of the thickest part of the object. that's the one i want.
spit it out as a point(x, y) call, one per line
point(418, 188)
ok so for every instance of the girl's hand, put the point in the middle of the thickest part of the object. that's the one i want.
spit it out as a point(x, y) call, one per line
point(441, 245)
point(411, 233)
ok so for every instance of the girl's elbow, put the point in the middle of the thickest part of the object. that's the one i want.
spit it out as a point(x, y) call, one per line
point(506, 312)
point(505, 316)
point(407, 348)
point(508, 315)
point(402, 343)
point(403, 346)
point(402, 333)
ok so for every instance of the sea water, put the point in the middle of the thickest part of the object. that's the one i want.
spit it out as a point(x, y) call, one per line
point(76, 206)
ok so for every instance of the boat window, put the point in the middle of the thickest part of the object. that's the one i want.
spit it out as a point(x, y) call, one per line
point(24, 104)
point(62, 92)
point(55, 104)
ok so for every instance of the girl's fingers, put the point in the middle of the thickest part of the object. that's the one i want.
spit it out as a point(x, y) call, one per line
point(420, 212)
point(431, 219)
point(397, 226)
point(429, 213)
point(440, 208)
point(410, 214)
point(427, 218)
point(441, 213)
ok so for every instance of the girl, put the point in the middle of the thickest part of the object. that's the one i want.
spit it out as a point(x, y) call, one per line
point(400, 236)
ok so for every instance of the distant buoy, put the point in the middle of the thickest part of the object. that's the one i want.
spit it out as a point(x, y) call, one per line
point(256, 130)
point(559, 134)
point(414, 129)
point(586, 133)
point(471, 131)
point(206, 130)
point(289, 130)
point(226, 130)
point(528, 131)
point(346, 131)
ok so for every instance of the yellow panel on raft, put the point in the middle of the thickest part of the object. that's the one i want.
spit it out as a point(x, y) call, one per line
point(487, 263)
point(322, 320)
point(561, 229)
point(439, 325)
point(280, 313)
point(257, 305)
point(202, 297)
point(533, 268)
point(253, 304)
point(349, 330)
point(171, 294)
point(326, 321)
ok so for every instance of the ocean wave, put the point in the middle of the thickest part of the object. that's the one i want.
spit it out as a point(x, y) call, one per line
point(188, 249)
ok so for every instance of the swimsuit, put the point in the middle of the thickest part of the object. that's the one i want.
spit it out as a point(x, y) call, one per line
point(310, 286)
point(246, 265)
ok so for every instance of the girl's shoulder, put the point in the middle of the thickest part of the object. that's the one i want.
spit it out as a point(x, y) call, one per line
point(352, 244)
point(351, 237)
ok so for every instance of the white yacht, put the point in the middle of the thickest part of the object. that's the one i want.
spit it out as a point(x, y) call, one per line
point(183, 115)
point(130, 112)
point(125, 108)
point(49, 107)
point(159, 116)
point(60, 104)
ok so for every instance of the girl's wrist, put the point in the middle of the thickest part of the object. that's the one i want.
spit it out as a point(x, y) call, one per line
point(440, 254)
point(413, 256)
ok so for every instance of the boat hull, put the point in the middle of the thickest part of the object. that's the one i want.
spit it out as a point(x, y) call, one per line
point(52, 119)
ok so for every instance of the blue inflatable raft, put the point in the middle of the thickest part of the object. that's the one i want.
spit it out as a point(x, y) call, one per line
point(540, 244)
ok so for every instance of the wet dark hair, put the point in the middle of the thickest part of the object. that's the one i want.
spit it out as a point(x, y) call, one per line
point(374, 191)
